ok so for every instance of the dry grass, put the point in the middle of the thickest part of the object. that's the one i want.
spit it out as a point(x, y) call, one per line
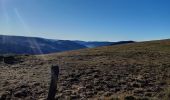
point(131, 71)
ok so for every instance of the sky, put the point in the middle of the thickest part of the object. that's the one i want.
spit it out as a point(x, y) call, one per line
point(89, 20)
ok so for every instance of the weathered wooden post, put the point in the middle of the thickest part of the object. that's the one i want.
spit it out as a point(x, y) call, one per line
point(53, 84)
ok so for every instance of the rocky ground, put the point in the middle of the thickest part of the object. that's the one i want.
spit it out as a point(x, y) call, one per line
point(137, 71)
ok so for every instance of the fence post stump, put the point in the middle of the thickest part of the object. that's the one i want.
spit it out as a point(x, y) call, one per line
point(53, 84)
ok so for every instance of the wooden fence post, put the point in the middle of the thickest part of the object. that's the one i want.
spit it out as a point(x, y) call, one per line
point(53, 84)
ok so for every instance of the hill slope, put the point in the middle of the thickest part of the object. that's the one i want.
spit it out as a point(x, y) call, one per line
point(129, 71)
point(34, 45)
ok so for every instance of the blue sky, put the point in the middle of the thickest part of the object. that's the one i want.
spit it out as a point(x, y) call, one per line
point(90, 20)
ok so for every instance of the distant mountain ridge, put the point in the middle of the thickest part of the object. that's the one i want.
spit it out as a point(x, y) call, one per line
point(36, 45)
point(93, 44)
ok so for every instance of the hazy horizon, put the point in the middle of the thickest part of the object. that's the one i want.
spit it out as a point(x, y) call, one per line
point(87, 20)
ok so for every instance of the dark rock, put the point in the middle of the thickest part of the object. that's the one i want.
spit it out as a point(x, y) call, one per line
point(89, 94)
point(148, 94)
point(73, 97)
point(36, 84)
point(142, 99)
point(111, 85)
point(68, 92)
point(89, 86)
point(10, 60)
point(107, 94)
point(5, 96)
point(2, 97)
point(98, 88)
point(24, 86)
point(96, 76)
point(138, 91)
point(130, 98)
point(22, 93)
point(135, 85)
point(73, 79)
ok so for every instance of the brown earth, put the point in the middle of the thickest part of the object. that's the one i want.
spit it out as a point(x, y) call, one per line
point(137, 71)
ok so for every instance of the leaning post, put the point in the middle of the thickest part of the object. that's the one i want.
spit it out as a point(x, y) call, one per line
point(53, 83)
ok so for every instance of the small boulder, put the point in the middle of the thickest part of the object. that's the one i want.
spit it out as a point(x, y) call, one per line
point(22, 93)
